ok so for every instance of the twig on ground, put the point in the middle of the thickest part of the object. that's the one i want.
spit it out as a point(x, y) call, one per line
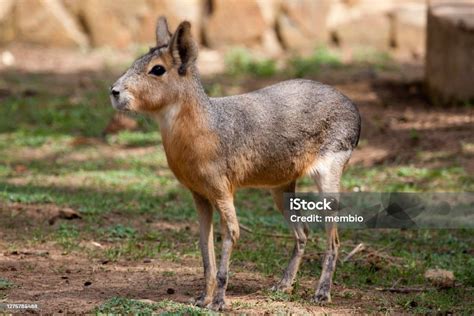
point(246, 229)
point(396, 283)
point(403, 289)
point(360, 247)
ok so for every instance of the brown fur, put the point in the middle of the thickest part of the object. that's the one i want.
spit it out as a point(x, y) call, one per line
point(192, 153)
point(251, 174)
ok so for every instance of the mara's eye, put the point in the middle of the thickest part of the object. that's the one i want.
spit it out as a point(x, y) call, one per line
point(157, 70)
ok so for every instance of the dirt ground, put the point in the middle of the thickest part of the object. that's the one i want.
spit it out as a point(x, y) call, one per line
point(392, 106)
point(72, 284)
point(68, 282)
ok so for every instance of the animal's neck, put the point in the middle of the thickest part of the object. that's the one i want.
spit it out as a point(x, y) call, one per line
point(167, 117)
point(187, 138)
point(190, 109)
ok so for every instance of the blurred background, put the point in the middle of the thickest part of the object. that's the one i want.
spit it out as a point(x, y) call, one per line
point(92, 219)
point(270, 27)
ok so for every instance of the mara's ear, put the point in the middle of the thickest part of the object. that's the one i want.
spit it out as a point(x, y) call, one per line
point(163, 35)
point(183, 49)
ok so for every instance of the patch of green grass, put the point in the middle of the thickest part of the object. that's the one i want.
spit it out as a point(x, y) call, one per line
point(241, 305)
point(263, 68)
point(34, 119)
point(445, 301)
point(134, 249)
point(168, 307)
point(408, 255)
point(239, 61)
point(170, 245)
point(370, 56)
point(92, 202)
point(168, 273)
point(5, 170)
point(214, 89)
point(121, 232)
point(278, 296)
point(125, 306)
point(67, 236)
point(135, 139)
point(5, 284)
point(322, 56)
point(414, 135)
point(28, 198)
point(26, 138)
point(405, 178)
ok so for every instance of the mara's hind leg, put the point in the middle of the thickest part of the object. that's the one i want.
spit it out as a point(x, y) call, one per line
point(300, 232)
point(327, 173)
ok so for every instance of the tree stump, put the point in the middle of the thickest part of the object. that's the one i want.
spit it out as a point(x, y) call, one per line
point(450, 52)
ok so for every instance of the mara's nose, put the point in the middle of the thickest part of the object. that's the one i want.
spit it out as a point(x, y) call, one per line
point(114, 92)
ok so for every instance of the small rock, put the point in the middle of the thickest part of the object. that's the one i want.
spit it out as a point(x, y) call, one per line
point(170, 291)
point(147, 260)
point(440, 278)
point(8, 59)
point(87, 283)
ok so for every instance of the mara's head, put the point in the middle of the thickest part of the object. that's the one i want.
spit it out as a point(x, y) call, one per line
point(160, 77)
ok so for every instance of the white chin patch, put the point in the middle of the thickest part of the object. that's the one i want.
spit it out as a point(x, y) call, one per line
point(114, 102)
point(122, 103)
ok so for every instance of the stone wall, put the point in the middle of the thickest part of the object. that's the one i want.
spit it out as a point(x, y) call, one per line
point(270, 25)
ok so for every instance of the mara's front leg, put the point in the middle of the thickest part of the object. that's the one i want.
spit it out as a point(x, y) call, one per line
point(230, 235)
point(206, 243)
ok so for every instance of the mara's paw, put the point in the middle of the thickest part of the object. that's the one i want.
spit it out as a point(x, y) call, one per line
point(218, 305)
point(322, 297)
point(282, 287)
point(202, 300)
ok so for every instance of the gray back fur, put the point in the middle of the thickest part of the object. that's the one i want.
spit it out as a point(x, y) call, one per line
point(280, 120)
